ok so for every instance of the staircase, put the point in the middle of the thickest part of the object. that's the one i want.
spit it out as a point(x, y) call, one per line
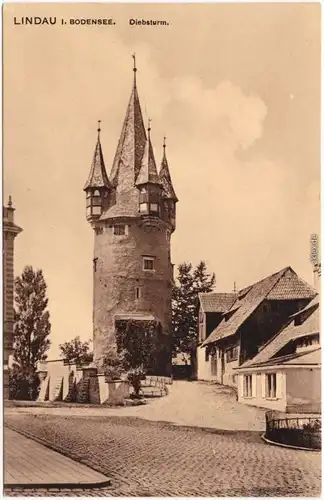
point(57, 390)
point(72, 391)
point(154, 387)
point(83, 395)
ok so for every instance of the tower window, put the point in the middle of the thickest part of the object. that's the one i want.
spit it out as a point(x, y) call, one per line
point(96, 210)
point(96, 193)
point(119, 230)
point(154, 207)
point(138, 293)
point(143, 208)
point(148, 263)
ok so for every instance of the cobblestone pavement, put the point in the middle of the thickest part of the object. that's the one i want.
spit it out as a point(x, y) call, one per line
point(188, 403)
point(146, 458)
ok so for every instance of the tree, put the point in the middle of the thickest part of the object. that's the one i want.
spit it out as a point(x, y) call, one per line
point(31, 331)
point(189, 282)
point(76, 351)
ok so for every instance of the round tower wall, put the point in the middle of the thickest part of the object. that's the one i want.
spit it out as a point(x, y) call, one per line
point(122, 286)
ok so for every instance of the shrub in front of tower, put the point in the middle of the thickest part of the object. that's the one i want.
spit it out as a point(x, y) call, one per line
point(137, 349)
point(113, 365)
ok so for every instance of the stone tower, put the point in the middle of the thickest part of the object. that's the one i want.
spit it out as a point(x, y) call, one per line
point(133, 214)
point(10, 231)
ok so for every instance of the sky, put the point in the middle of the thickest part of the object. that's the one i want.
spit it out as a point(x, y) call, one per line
point(236, 90)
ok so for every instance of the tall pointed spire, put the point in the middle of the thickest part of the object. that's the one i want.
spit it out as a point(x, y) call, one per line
point(148, 172)
point(98, 176)
point(165, 177)
point(131, 145)
point(134, 69)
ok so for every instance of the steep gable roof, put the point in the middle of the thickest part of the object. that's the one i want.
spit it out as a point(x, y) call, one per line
point(216, 302)
point(249, 299)
point(291, 286)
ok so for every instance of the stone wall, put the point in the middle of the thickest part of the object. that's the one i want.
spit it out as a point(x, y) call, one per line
point(70, 383)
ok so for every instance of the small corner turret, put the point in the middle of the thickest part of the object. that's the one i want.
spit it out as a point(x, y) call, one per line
point(148, 182)
point(169, 198)
point(98, 188)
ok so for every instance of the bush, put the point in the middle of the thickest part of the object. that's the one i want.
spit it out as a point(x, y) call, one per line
point(113, 366)
point(23, 383)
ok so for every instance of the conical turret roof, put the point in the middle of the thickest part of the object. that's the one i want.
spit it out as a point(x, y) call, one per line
point(98, 177)
point(148, 172)
point(165, 178)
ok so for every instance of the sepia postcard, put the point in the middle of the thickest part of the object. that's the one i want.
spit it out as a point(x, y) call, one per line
point(161, 249)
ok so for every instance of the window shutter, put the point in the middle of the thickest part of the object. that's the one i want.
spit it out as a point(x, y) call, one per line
point(263, 383)
point(254, 379)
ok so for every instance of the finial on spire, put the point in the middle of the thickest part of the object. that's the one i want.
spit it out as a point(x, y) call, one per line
point(99, 128)
point(10, 201)
point(164, 142)
point(234, 287)
point(134, 68)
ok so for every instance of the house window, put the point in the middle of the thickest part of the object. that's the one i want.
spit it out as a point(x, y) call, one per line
point(119, 230)
point(207, 352)
point(138, 293)
point(148, 263)
point(247, 386)
point(271, 385)
point(232, 354)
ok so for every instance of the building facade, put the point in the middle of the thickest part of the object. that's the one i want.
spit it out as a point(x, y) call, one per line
point(286, 374)
point(133, 214)
point(10, 231)
point(232, 331)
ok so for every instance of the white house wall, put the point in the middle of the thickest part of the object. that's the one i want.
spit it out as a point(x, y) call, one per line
point(258, 397)
point(304, 387)
point(204, 367)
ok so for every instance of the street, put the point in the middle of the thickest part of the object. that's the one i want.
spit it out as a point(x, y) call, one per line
point(146, 458)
